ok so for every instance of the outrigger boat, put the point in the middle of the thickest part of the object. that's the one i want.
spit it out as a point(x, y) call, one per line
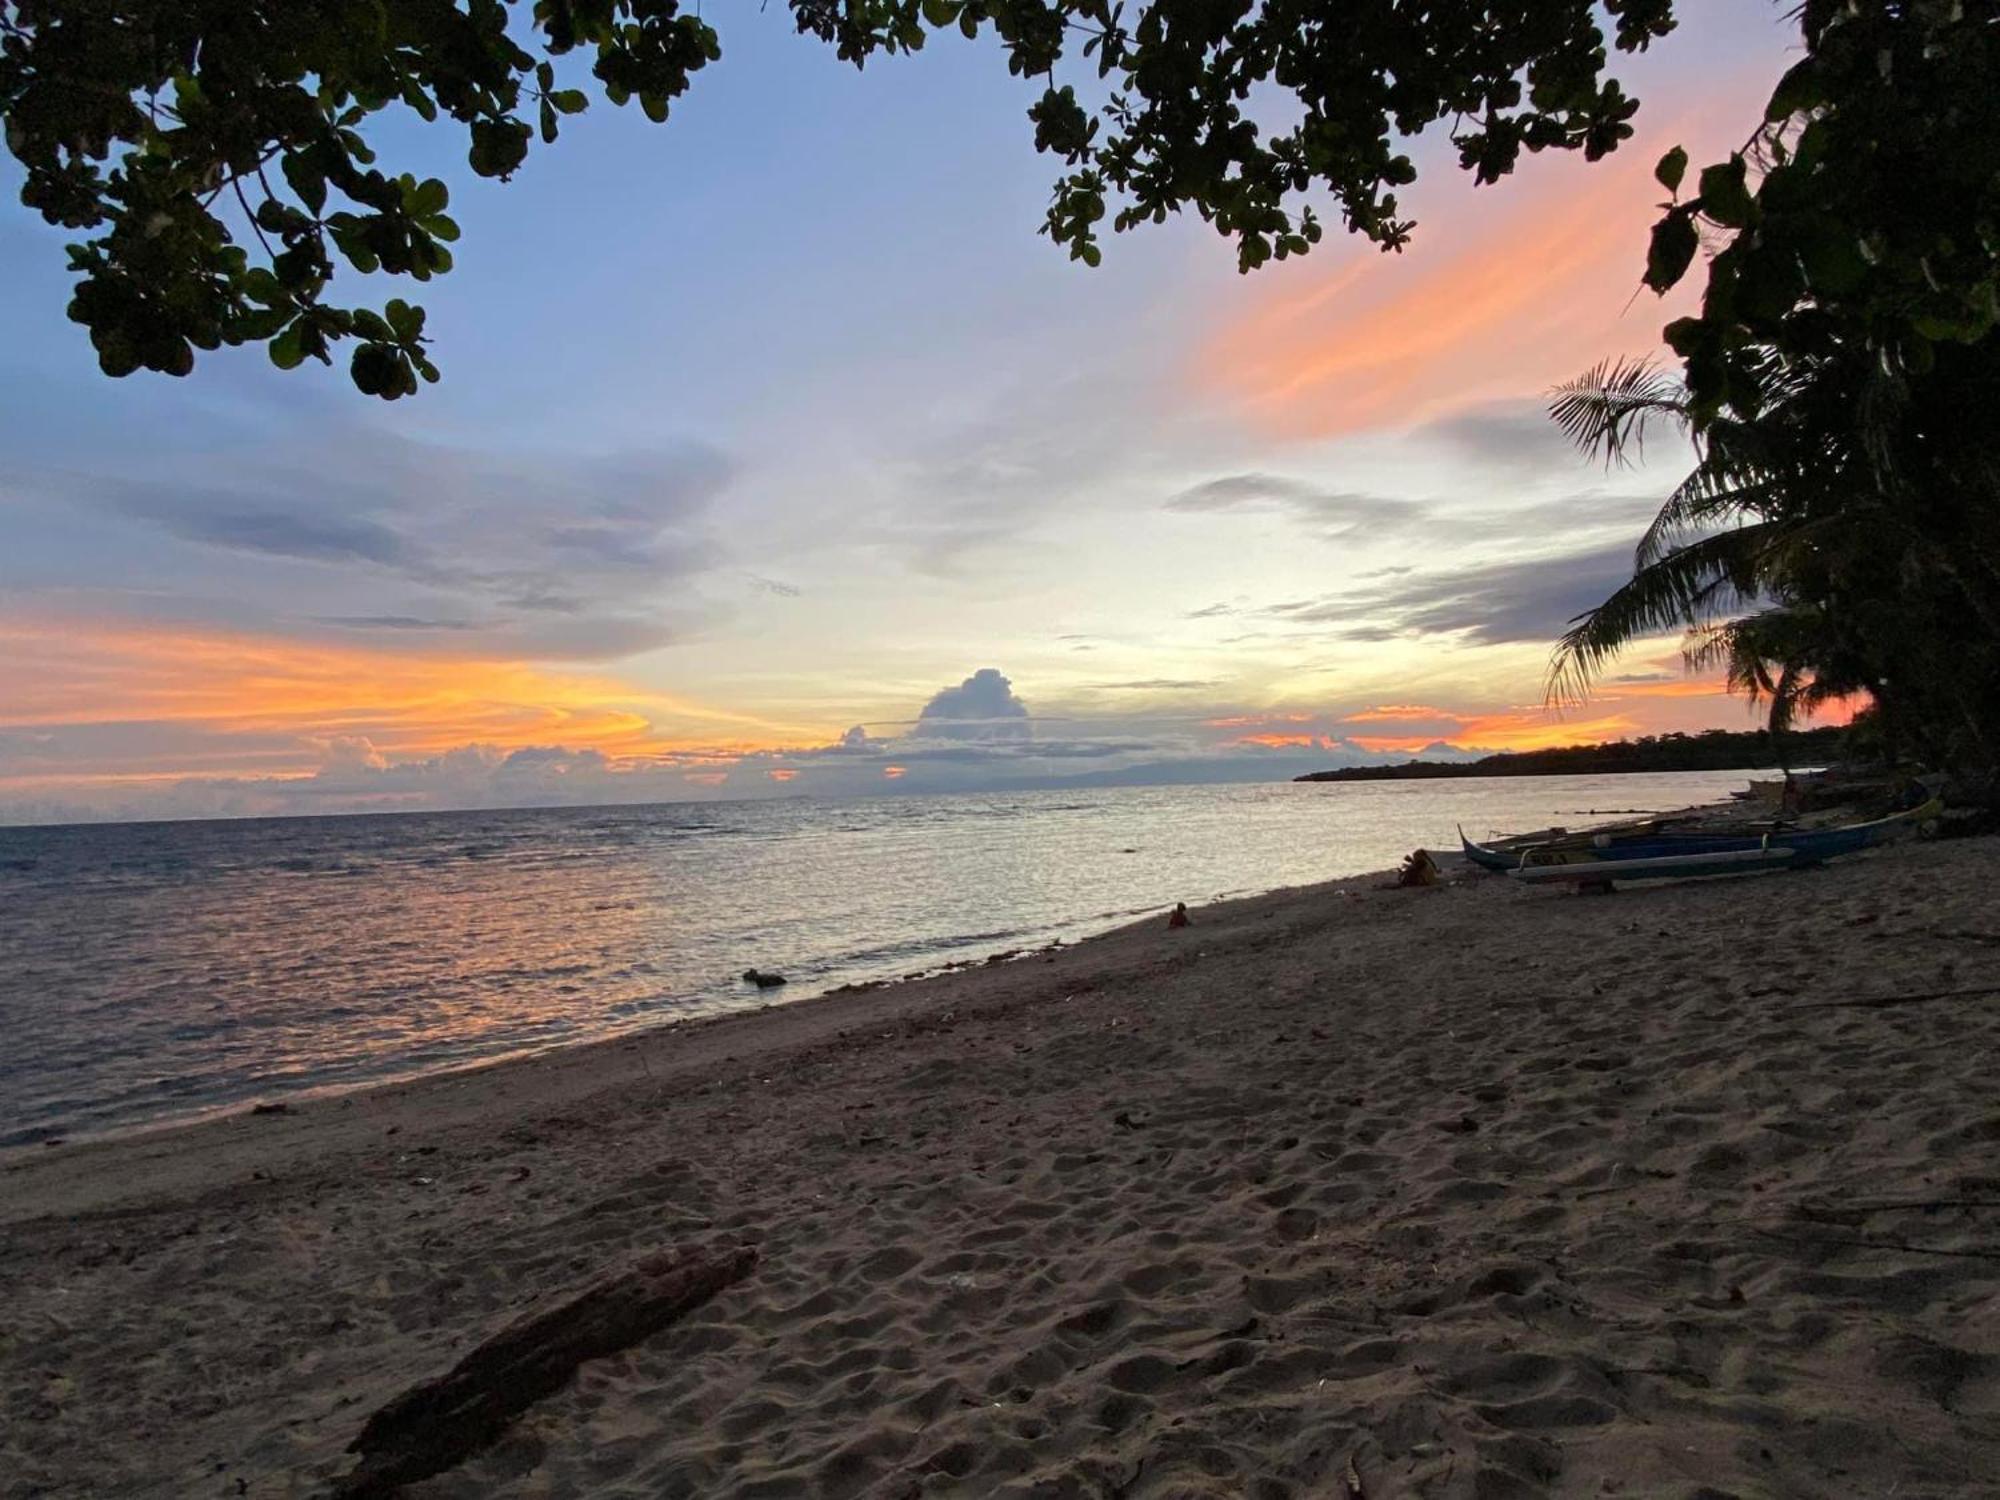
point(1632, 854)
point(1602, 872)
point(1504, 854)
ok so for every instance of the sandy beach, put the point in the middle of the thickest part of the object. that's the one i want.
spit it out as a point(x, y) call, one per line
point(1468, 1191)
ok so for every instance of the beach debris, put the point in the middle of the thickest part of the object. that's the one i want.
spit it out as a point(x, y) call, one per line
point(1179, 916)
point(437, 1425)
point(1351, 1482)
point(763, 980)
point(271, 1109)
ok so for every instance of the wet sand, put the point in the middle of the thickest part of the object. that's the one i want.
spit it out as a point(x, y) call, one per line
point(1471, 1191)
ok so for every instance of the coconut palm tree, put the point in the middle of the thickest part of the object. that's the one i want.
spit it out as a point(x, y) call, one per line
point(1816, 551)
point(1715, 549)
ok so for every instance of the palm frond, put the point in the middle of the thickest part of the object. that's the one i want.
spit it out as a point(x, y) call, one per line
point(1606, 409)
point(1686, 588)
point(1710, 496)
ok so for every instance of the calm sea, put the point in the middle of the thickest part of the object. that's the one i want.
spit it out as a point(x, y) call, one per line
point(156, 972)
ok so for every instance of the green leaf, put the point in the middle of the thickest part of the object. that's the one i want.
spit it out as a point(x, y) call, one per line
point(306, 180)
point(260, 285)
point(408, 321)
point(1725, 194)
point(1672, 251)
point(287, 352)
point(941, 13)
point(439, 226)
point(376, 370)
point(548, 122)
point(655, 106)
point(418, 100)
point(570, 101)
point(1833, 260)
point(428, 197)
point(370, 325)
point(1672, 168)
point(1798, 90)
point(498, 147)
point(255, 327)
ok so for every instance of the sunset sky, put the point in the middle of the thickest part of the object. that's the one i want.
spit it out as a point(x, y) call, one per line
point(776, 452)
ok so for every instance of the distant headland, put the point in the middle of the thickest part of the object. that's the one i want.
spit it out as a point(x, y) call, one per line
point(1711, 750)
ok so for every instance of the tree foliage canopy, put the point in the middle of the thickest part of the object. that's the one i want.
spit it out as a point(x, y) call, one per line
point(215, 154)
point(1840, 532)
point(1862, 220)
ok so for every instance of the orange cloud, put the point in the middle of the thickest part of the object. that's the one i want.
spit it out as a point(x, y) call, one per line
point(781, 774)
point(895, 773)
point(1277, 741)
point(279, 704)
point(1679, 687)
point(1395, 713)
point(1534, 298)
point(1503, 293)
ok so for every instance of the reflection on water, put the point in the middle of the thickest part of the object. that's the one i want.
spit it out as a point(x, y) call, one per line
point(153, 971)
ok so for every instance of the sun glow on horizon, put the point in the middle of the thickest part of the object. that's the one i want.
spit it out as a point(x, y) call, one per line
point(281, 704)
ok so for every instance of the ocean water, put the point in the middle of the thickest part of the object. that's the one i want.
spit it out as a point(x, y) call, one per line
point(156, 972)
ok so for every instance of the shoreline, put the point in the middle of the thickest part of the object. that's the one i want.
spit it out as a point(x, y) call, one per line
point(1032, 943)
point(320, 1095)
point(1476, 1189)
point(551, 1076)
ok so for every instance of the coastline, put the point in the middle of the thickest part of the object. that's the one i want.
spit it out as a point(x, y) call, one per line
point(183, 1032)
point(1479, 1189)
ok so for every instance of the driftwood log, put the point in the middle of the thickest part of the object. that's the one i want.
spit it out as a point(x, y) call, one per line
point(439, 1424)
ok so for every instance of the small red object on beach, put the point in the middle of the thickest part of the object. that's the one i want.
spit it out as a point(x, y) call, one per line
point(1179, 918)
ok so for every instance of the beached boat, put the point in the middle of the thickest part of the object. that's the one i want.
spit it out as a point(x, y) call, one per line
point(1618, 840)
point(1659, 867)
point(1696, 853)
point(1505, 853)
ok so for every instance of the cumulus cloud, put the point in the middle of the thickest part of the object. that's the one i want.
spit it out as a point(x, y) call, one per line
point(973, 735)
point(983, 707)
point(347, 754)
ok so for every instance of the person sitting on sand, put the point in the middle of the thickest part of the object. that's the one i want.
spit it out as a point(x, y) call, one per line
point(1179, 916)
point(1418, 870)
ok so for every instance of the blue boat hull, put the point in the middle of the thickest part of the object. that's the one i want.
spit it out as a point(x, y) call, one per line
point(1809, 846)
